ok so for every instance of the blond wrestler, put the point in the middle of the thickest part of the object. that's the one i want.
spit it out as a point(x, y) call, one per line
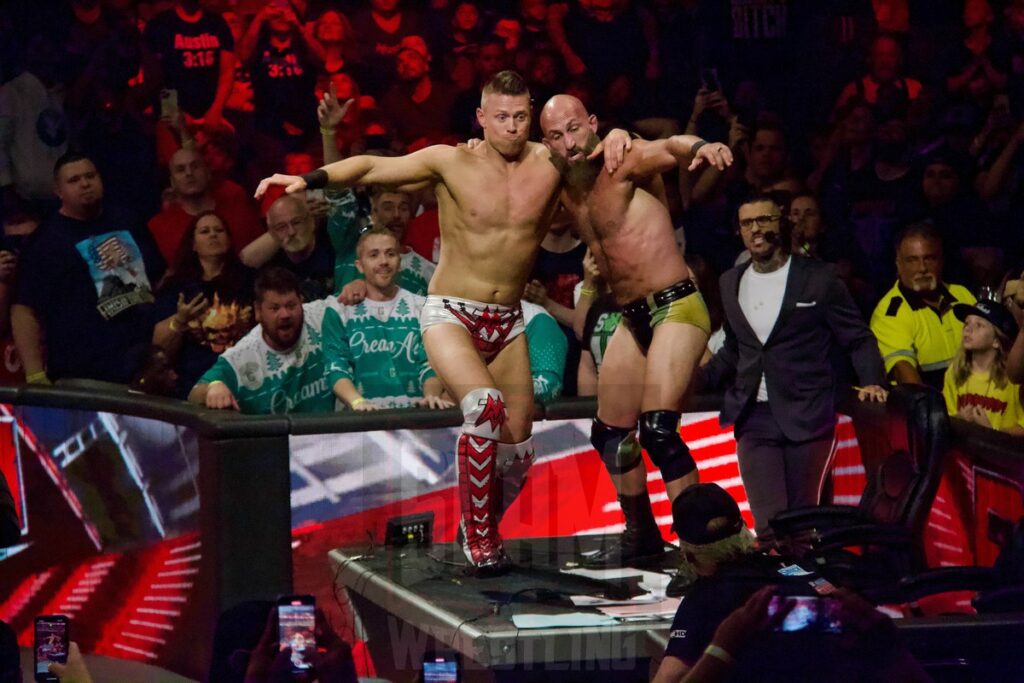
point(495, 202)
point(653, 353)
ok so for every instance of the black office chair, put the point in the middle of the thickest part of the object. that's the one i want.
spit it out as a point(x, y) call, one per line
point(887, 526)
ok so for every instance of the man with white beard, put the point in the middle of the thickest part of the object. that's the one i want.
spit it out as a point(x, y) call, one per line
point(917, 332)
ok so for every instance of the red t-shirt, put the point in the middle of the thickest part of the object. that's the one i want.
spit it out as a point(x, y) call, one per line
point(422, 232)
point(230, 202)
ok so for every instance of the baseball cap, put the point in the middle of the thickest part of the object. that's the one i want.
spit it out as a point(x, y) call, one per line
point(416, 44)
point(705, 513)
point(991, 311)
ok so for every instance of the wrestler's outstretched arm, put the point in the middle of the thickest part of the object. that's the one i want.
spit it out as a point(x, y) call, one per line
point(422, 166)
point(657, 156)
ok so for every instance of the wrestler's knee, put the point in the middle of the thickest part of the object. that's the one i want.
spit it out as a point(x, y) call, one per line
point(616, 445)
point(483, 412)
point(659, 436)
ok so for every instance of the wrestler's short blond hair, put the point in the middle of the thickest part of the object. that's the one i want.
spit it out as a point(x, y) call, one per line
point(506, 82)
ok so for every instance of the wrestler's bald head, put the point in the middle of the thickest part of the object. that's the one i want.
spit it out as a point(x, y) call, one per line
point(570, 132)
point(560, 107)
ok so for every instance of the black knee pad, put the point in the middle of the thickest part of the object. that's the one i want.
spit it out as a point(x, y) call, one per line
point(659, 436)
point(617, 447)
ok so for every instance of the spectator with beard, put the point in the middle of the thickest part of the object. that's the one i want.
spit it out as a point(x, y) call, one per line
point(786, 317)
point(205, 304)
point(194, 193)
point(279, 366)
point(918, 333)
point(419, 106)
point(190, 50)
point(374, 348)
point(85, 276)
point(389, 209)
point(300, 247)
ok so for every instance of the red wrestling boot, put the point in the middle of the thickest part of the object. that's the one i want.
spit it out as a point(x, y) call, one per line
point(476, 468)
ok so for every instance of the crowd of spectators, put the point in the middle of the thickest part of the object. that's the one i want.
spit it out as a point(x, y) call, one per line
point(132, 134)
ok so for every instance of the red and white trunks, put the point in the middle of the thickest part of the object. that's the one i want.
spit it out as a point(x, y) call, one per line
point(492, 326)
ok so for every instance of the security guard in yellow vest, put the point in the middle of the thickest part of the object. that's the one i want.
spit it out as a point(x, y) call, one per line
point(918, 335)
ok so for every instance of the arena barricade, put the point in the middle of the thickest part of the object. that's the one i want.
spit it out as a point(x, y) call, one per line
point(174, 495)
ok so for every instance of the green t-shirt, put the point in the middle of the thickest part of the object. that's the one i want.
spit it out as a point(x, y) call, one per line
point(269, 382)
point(377, 345)
point(548, 348)
point(344, 224)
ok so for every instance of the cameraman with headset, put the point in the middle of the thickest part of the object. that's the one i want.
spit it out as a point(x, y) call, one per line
point(751, 616)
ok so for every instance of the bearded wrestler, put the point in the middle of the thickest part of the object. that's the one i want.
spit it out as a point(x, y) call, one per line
point(652, 354)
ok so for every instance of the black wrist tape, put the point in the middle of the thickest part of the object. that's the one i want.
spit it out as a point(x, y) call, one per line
point(315, 180)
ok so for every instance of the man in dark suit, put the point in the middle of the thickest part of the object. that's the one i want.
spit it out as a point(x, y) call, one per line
point(784, 314)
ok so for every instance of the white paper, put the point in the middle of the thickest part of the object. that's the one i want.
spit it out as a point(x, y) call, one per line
point(597, 601)
point(569, 619)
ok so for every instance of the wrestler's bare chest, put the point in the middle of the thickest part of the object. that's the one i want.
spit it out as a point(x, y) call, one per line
point(483, 194)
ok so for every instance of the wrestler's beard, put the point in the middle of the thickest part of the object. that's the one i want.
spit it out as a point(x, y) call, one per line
point(580, 172)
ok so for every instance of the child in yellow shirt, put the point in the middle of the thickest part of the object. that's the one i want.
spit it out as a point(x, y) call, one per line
point(976, 387)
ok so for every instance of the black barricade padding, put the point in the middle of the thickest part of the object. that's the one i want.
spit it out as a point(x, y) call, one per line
point(103, 397)
point(997, 451)
point(245, 517)
point(352, 421)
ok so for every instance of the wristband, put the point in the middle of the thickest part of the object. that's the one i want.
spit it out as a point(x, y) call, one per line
point(315, 180)
point(719, 654)
point(216, 381)
point(696, 147)
point(172, 325)
point(587, 291)
point(327, 131)
point(358, 402)
point(37, 378)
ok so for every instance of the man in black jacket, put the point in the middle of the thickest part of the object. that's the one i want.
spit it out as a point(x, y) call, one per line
point(784, 314)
